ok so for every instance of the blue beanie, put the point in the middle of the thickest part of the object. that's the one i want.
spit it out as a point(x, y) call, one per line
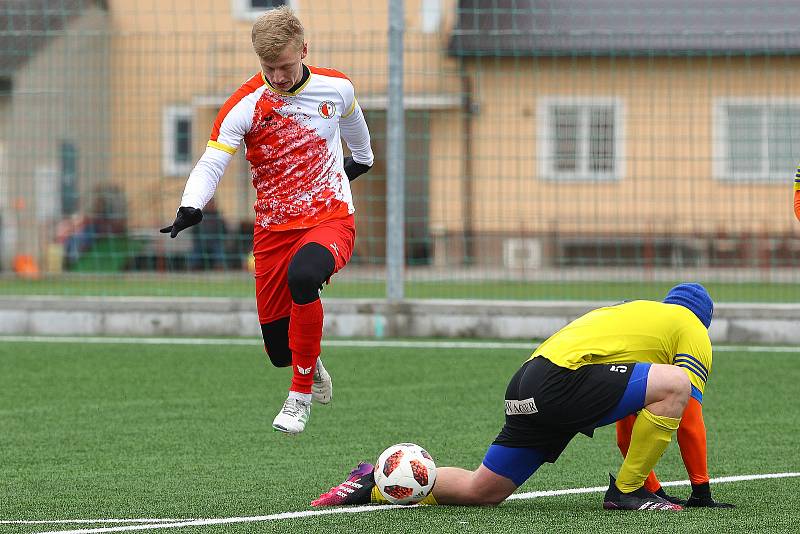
point(696, 298)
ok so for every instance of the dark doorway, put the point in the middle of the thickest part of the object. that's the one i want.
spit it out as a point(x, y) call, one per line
point(369, 193)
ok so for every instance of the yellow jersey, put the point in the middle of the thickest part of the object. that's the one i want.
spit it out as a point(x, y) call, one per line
point(632, 332)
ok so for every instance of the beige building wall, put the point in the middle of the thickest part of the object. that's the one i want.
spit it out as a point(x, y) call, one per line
point(61, 94)
point(667, 185)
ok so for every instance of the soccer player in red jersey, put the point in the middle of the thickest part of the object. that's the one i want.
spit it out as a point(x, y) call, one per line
point(292, 118)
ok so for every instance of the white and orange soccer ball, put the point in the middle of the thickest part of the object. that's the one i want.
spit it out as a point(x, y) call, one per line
point(405, 473)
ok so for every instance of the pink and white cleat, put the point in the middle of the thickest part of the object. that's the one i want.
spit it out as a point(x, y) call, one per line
point(357, 489)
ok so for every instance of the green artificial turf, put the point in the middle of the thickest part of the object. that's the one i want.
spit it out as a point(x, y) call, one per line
point(175, 431)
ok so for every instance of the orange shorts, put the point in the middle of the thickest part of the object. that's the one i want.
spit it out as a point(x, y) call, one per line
point(274, 250)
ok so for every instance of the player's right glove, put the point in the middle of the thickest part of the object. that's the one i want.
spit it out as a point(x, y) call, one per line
point(185, 218)
point(701, 498)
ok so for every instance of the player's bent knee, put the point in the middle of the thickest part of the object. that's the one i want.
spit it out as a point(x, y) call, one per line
point(308, 270)
point(302, 276)
point(491, 500)
point(677, 384)
point(683, 386)
point(487, 488)
point(667, 382)
point(488, 496)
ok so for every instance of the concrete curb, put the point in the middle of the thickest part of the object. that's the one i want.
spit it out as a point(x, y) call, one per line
point(366, 318)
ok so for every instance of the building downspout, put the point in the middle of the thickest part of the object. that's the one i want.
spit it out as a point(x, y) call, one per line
point(467, 186)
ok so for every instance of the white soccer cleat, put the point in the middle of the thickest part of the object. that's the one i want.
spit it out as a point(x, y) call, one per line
point(293, 416)
point(322, 388)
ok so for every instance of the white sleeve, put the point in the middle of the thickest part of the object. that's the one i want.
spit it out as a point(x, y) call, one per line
point(204, 177)
point(356, 134)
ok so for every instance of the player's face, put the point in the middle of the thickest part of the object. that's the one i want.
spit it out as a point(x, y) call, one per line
point(286, 70)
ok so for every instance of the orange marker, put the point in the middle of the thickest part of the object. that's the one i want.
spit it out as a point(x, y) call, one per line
point(797, 193)
point(797, 200)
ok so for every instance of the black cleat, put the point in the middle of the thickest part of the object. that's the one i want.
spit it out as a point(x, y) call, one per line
point(671, 498)
point(641, 499)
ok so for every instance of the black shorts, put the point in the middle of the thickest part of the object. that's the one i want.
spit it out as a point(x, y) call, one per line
point(547, 405)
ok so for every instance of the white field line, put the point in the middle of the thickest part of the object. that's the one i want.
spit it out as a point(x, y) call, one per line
point(598, 489)
point(377, 508)
point(87, 521)
point(387, 343)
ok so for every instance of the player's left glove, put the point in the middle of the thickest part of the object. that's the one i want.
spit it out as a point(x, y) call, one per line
point(354, 169)
point(185, 218)
point(701, 498)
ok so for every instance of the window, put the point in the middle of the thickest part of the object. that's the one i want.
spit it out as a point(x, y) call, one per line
point(431, 14)
point(580, 139)
point(250, 9)
point(69, 178)
point(177, 145)
point(756, 139)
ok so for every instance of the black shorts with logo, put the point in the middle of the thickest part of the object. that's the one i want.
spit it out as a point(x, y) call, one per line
point(547, 405)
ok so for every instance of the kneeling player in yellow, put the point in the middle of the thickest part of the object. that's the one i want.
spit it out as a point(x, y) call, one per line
point(611, 362)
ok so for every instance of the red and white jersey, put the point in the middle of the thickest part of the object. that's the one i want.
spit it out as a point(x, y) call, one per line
point(293, 144)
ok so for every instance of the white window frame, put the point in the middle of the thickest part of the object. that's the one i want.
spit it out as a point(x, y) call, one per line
point(430, 15)
point(243, 10)
point(170, 116)
point(545, 142)
point(720, 162)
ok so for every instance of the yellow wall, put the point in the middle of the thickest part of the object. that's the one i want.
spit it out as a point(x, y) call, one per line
point(668, 184)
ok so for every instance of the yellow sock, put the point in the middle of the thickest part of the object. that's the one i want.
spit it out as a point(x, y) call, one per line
point(377, 498)
point(649, 439)
point(430, 499)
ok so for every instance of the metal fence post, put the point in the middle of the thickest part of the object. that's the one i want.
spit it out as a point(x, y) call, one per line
point(395, 158)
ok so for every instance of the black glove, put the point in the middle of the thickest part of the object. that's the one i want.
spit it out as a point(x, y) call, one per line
point(354, 169)
point(185, 218)
point(671, 498)
point(701, 497)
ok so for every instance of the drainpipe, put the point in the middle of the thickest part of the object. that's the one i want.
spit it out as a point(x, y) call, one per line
point(467, 111)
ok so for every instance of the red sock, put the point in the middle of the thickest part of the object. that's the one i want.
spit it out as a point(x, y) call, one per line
point(305, 336)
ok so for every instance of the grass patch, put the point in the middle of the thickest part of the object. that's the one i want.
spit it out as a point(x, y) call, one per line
point(94, 430)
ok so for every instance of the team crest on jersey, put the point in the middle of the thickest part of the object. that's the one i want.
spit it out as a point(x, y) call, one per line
point(327, 109)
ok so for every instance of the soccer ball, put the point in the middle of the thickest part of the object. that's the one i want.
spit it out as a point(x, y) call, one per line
point(405, 473)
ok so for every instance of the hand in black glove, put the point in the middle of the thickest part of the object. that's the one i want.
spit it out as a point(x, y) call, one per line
point(185, 218)
point(354, 169)
point(671, 498)
point(701, 497)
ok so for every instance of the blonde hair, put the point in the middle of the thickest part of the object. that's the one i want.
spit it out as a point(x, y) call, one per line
point(274, 30)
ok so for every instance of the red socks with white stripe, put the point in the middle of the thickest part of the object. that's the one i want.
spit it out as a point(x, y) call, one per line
point(305, 337)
